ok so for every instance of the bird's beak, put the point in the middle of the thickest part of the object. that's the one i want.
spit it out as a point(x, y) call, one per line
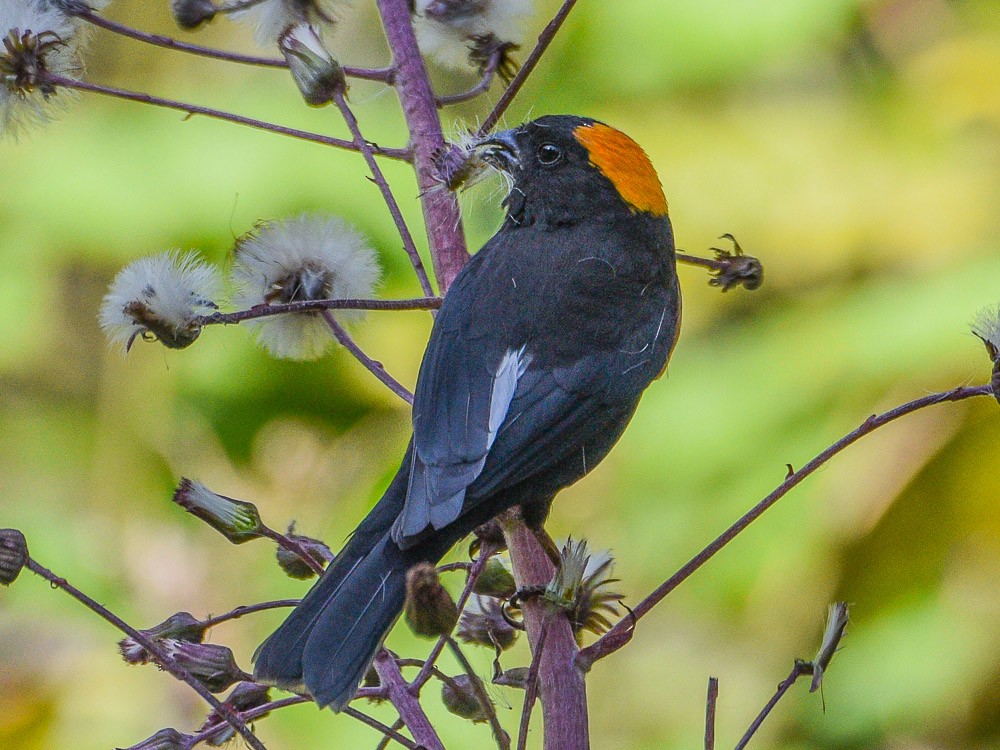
point(501, 150)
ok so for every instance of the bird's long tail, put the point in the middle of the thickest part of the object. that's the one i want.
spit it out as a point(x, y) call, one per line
point(328, 642)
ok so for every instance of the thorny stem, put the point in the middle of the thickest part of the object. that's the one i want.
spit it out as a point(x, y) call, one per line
point(563, 688)
point(388, 731)
point(607, 644)
point(710, 703)
point(544, 39)
point(230, 716)
point(247, 609)
point(294, 547)
point(390, 200)
point(195, 109)
point(440, 207)
point(502, 740)
point(531, 691)
point(268, 309)
point(405, 701)
point(800, 668)
point(486, 551)
point(373, 366)
point(158, 40)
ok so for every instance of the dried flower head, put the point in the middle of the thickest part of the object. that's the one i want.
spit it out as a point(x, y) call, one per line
point(13, 555)
point(460, 698)
point(236, 520)
point(579, 586)
point(496, 580)
point(245, 697)
point(318, 76)
point(190, 14)
point(429, 610)
point(212, 665)
point(306, 258)
point(293, 565)
point(448, 30)
point(160, 298)
point(181, 626)
point(483, 624)
point(37, 40)
point(165, 739)
point(271, 18)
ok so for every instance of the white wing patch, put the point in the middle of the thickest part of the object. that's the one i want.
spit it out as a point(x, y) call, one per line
point(509, 372)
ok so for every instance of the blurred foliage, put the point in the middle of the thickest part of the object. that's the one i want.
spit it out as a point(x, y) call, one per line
point(853, 146)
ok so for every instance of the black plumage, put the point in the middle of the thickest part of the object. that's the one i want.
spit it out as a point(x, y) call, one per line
point(535, 365)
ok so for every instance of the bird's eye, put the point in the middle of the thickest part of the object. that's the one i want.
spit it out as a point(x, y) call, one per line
point(549, 154)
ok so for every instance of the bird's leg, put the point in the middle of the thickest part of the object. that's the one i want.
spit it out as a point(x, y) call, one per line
point(548, 544)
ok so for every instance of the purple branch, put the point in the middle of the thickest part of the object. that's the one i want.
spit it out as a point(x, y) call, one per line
point(373, 366)
point(710, 703)
point(296, 548)
point(798, 670)
point(390, 200)
point(231, 717)
point(562, 684)
point(544, 39)
point(531, 690)
point(268, 309)
point(248, 609)
point(502, 740)
point(195, 109)
point(441, 215)
point(388, 731)
point(480, 88)
point(370, 74)
point(405, 701)
point(610, 641)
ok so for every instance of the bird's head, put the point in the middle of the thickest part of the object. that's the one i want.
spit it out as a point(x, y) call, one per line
point(564, 169)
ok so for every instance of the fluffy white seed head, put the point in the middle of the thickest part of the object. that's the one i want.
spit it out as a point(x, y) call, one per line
point(36, 37)
point(445, 28)
point(159, 298)
point(270, 18)
point(987, 327)
point(305, 258)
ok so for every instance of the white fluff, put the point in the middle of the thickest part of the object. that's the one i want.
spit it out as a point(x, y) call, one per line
point(21, 110)
point(987, 326)
point(167, 293)
point(270, 18)
point(309, 257)
point(448, 41)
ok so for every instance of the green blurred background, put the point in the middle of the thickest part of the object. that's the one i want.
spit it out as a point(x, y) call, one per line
point(853, 146)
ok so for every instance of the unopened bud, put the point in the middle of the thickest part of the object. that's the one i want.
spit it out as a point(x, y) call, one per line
point(212, 665)
point(487, 626)
point(293, 564)
point(13, 555)
point(190, 14)
point(429, 609)
point(181, 626)
point(460, 697)
point(836, 624)
point(165, 739)
point(236, 520)
point(515, 678)
point(245, 697)
point(495, 580)
point(318, 76)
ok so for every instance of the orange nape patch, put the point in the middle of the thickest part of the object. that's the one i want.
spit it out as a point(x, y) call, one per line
point(623, 161)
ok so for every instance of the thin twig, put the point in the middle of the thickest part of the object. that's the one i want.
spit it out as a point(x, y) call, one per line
point(195, 109)
point(247, 609)
point(405, 701)
point(502, 740)
point(531, 690)
point(798, 670)
point(480, 88)
point(710, 702)
point(486, 551)
point(606, 644)
point(373, 366)
point(389, 732)
point(293, 546)
point(269, 309)
point(390, 200)
point(158, 40)
point(544, 39)
point(247, 716)
point(384, 742)
point(230, 716)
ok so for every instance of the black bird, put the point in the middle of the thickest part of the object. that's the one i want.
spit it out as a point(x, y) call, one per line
point(536, 362)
